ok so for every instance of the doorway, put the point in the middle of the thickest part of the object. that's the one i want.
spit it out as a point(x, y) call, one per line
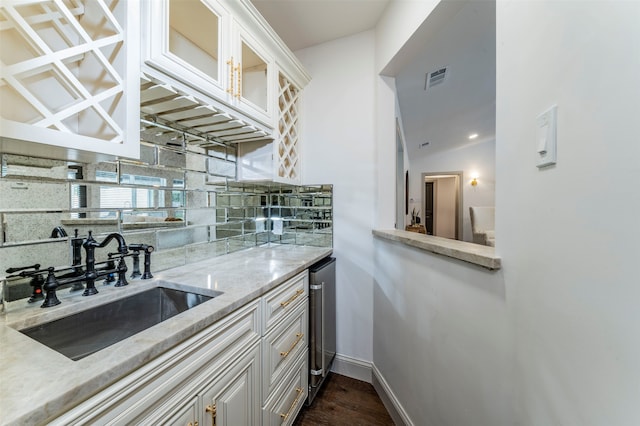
point(429, 189)
point(401, 184)
point(442, 195)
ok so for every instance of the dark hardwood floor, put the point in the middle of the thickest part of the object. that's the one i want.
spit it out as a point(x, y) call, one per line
point(345, 401)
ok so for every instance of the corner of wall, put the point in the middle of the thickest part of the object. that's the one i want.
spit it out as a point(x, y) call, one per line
point(391, 403)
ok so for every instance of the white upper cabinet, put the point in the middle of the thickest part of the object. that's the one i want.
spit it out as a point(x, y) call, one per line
point(70, 77)
point(278, 160)
point(226, 56)
point(195, 37)
point(188, 41)
point(254, 74)
point(202, 45)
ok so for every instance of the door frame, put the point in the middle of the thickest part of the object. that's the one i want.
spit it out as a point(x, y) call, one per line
point(459, 201)
point(402, 182)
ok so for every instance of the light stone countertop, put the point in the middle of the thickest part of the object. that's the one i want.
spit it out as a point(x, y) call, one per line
point(473, 253)
point(38, 383)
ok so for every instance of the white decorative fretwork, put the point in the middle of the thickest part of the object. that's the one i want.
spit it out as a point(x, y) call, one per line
point(288, 158)
point(64, 70)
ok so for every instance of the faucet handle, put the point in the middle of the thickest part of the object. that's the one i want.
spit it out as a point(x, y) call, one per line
point(147, 249)
point(122, 273)
point(22, 268)
point(50, 286)
point(147, 262)
point(36, 294)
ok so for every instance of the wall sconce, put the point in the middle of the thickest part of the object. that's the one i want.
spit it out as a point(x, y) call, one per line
point(474, 181)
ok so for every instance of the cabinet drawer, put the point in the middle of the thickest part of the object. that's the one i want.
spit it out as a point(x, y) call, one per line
point(287, 400)
point(282, 346)
point(283, 299)
point(167, 375)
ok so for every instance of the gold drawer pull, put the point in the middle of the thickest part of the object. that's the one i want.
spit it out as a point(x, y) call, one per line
point(193, 424)
point(293, 405)
point(231, 72)
point(294, 297)
point(239, 70)
point(212, 410)
point(299, 337)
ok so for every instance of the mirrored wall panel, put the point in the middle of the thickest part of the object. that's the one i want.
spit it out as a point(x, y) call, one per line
point(182, 200)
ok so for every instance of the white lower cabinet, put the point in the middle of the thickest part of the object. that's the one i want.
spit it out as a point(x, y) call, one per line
point(234, 397)
point(284, 299)
point(170, 388)
point(249, 368)
point(286, 401)
point(183, 414)
point(230, 397)
point(285, 348)
point(281, 346)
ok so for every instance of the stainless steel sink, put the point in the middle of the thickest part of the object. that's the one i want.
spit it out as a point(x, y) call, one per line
point(86, 332)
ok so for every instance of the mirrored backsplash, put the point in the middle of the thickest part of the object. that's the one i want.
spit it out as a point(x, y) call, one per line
point(184, 201)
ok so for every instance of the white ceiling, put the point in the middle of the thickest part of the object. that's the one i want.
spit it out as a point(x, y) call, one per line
point(304, 23)
point(459, 35)
point(445, 115)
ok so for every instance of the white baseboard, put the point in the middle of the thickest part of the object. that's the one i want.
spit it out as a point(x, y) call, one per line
point(391, 403)
point(367, 372)
point(352, 367)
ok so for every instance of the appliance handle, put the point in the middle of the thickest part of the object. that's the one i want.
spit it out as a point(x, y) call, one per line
point(322, 344)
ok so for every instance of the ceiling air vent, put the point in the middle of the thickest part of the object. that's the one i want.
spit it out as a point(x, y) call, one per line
point(434, 78)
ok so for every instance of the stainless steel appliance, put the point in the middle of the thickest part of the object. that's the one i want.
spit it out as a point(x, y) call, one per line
point(322, 322)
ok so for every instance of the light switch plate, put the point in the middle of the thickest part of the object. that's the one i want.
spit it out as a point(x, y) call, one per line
point(546, 137)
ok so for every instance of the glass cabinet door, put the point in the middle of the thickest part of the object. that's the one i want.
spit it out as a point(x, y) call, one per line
point(185, 39)
point(254, 77)
point(194, 35)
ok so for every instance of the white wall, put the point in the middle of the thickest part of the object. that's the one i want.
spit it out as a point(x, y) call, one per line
point(551, 339)
point(442, 338)
point(441, 335)
point(400, 20)
point(477, 158)
point(339, 148)
point(569, 235)
point(393, 50)
point(385, 131)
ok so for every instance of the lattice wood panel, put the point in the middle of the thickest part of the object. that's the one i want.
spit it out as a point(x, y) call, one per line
point(287, 143)
point(64, 69)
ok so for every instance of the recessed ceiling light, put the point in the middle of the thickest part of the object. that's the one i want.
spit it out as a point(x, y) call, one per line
point(473, 135)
